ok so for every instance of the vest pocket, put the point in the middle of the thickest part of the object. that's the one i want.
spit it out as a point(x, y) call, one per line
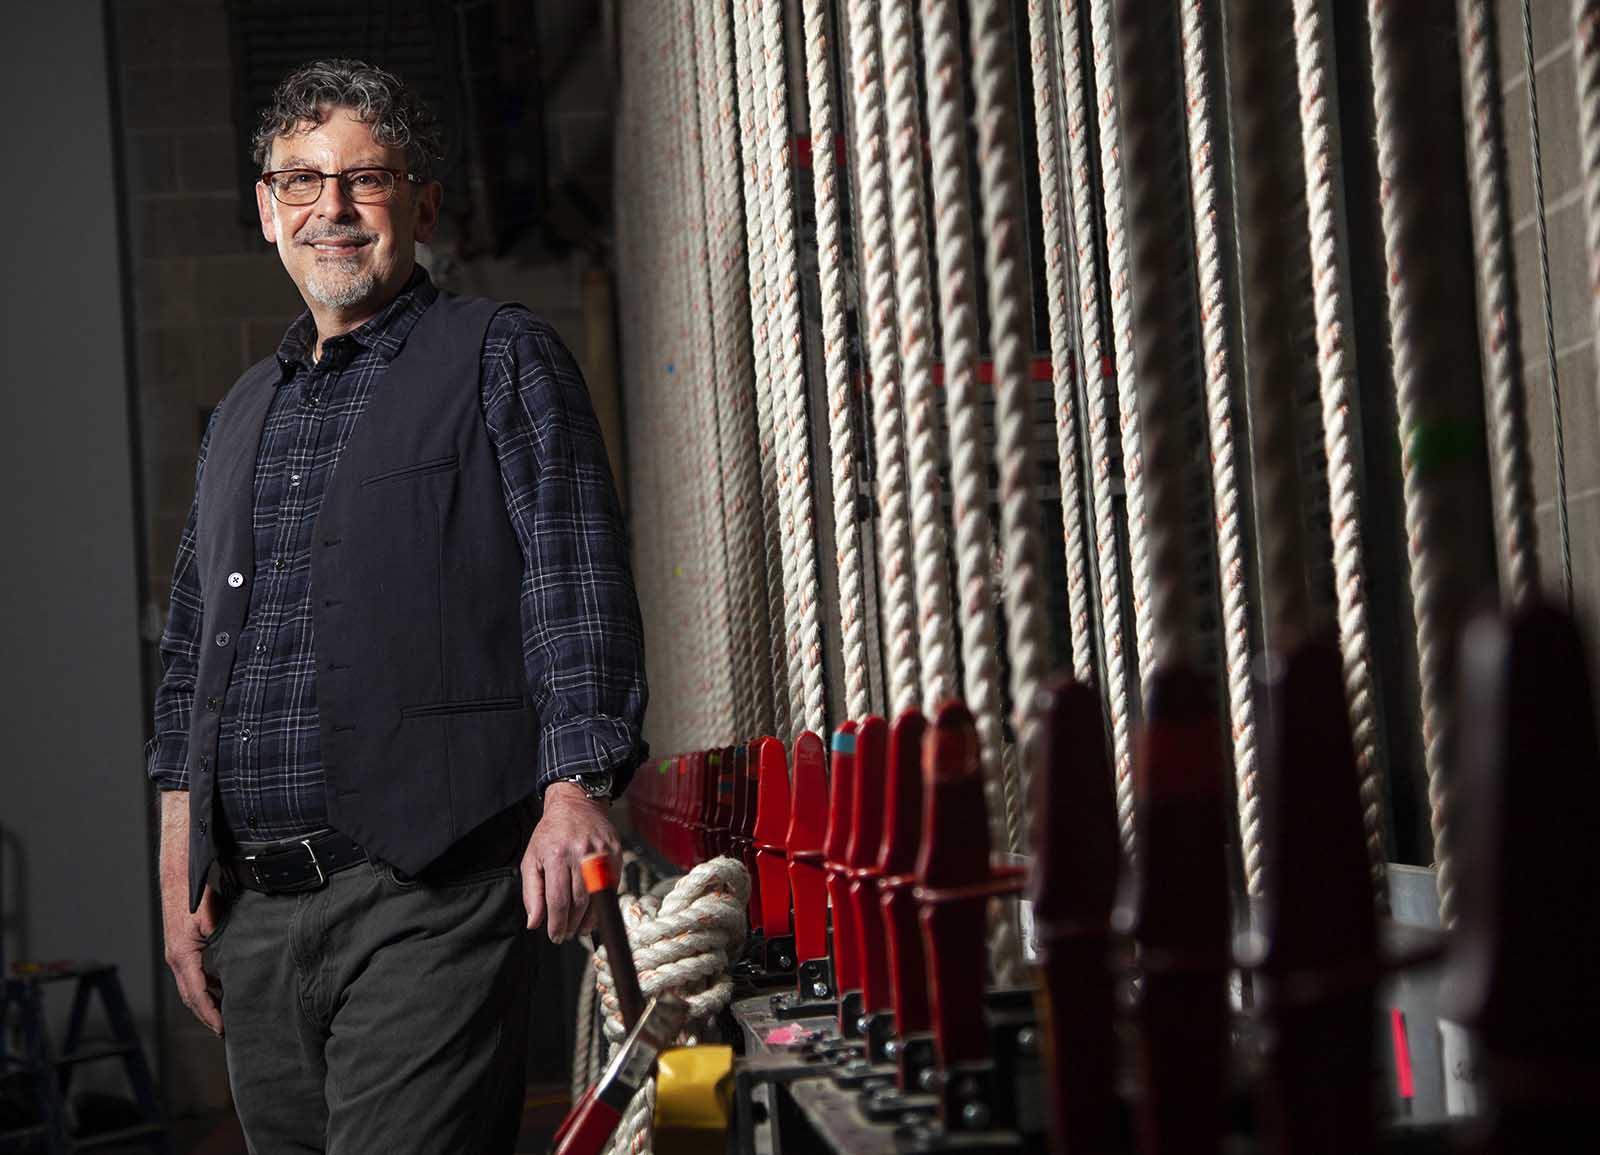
point(472, 706)
point(436, 465)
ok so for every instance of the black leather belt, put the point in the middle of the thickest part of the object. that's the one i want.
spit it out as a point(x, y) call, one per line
point(297, 864)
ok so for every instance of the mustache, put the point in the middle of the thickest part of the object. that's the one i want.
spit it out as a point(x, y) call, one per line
point(335, 233)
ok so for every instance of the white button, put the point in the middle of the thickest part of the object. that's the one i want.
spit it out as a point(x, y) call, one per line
point(236, 579)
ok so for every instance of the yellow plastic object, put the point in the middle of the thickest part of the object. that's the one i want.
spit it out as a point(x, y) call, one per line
point(694, 1098)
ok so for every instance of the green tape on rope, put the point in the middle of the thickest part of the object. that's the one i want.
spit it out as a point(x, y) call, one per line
point(1441, 444)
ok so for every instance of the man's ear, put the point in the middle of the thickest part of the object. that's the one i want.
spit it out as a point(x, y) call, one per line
point(429, 197)
point(269, 224)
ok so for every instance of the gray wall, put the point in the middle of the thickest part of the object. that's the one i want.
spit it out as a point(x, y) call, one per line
point(77, 859)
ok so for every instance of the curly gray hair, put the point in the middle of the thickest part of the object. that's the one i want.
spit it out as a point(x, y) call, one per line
point(378, 98)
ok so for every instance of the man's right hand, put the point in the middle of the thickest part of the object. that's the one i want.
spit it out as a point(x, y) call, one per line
point(185, 933)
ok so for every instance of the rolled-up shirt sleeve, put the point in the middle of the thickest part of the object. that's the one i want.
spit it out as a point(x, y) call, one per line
point(167, 752)
point(582, 638)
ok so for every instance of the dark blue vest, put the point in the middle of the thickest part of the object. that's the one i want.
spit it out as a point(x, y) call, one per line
point(427, 728)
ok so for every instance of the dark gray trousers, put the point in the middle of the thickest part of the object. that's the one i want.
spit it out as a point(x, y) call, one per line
point(378, 1013)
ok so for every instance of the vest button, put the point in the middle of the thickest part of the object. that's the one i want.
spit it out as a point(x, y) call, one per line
point(211, 703)
point(223, 639)
point(236, 579)
point(202, 828)
point(205, 763)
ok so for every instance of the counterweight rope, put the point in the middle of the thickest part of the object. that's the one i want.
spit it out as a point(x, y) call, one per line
point(1499, 329)
point(773, 499)
point(993, 51)
point(877, 264)
point(1320, 153)
point(914, 310)
point(783, 291)
point(1052, 204)
point(1100, 405)
point(835, 355)
point(1216, 323)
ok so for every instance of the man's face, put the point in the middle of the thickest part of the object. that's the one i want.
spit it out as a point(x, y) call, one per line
point(343, 255)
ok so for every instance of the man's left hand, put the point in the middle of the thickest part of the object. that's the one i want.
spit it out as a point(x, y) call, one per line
point(574, 827)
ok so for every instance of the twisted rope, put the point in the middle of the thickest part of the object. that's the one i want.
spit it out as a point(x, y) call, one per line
point(1586, 69)
point(1497, 313)
point(1146, 86)
point(1320, 153)
point(1424, 304)
point(707, 324)
point(783, 289)
point(739, 446)
point(1042, 58)
point(773, 499)
point(1119, 284)
point(681, 944)
point(1099, 391)
point(1011, 338)
point(835, 356)
point(1216, 321)
point(877, 253)
point(934, 630)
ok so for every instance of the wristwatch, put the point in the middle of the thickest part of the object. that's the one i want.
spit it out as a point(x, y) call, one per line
point(595, 784)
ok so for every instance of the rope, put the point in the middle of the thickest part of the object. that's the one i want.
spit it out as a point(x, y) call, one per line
point(1497, 313)
point(1586, 68)
point(773, 499)
point(935, 631)
point(835, 356)
point(1537, 166)
point(681, 944)
point(1011, 338)
point(1215, 318)
point(1099, 390)
point(783, 289)
point(1144, 76)
point(1041, 56)
point(707, 324)
point(736, 429)
point(1436, 461)
point(1320, 153)
point(1116, 241)
point(969, 464)
point(871, 183)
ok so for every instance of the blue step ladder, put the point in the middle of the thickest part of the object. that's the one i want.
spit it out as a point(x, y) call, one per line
point(22, 1015)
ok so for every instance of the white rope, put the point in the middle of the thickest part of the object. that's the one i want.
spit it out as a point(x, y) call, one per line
point(783, 292)
point(969, 466)
point(1437, 459)
point(1499, 336)
point(835, 356)
point(1099, 389)
point(681, 944)
point(1216, 317)
point(1116, 241)
point(993, 51)
point(1320, 153)
point(773, 497)
point(1052, 203)
point(707, 320)
point(877, 264)
point(969, 458)
point(935, 632)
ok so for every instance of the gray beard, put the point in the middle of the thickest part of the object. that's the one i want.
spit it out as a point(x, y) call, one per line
point(337, 290)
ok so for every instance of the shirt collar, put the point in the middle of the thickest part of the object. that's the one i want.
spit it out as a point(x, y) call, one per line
point(385, 334)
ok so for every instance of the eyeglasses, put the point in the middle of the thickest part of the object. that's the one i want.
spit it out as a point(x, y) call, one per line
point(303, 186)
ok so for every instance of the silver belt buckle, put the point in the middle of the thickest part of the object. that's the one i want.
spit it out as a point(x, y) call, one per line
point(322, 879)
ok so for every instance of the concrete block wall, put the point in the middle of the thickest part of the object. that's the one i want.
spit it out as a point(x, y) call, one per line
point(1575, 337)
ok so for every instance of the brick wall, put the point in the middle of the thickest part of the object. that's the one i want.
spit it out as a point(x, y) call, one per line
point(1569, 296)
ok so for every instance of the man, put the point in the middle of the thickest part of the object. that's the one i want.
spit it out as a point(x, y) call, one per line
point(402, 626)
